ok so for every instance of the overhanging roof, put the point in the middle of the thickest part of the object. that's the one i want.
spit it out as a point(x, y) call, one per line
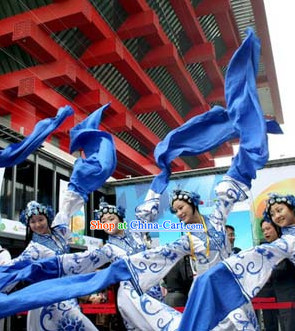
point(159, 62)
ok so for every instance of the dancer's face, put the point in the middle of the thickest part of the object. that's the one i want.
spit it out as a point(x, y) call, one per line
point(282, 215)
point(39, 224)
point(112, 219)
point(184, 211)
point(269, 232)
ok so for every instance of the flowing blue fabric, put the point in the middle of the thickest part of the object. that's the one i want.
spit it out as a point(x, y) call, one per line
point(243, 118)
point(213, 296)
point(245, 112)
point(199, 134)
point(55, 290)
point(18, 152)
point(31, 271)
point(91, 173)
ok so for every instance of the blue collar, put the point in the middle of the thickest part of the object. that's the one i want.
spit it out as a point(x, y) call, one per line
point(127, 243)
point(53, 241)
point(289, 230)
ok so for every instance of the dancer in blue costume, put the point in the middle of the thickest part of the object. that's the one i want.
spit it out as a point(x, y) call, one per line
point(220, 299)
point(123, 243)
point(51, 236)
point(48, 236)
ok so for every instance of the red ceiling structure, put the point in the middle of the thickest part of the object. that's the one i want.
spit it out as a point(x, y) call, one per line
point(48, 66)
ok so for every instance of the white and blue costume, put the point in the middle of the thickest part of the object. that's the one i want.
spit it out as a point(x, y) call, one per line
point(150, 267)
point(65, 314)
point(230, 286)
point(128, 244)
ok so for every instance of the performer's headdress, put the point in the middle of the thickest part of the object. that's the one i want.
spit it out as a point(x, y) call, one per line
point(105, 208)
point(288, 200)
point(192, 198)
point(36, 208)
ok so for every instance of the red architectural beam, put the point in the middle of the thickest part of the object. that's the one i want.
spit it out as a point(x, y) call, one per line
point(134, 6)
point(156, 102)
point(146, 24)
point(82, 76)
point(34, 41)
point(52, 18)
point(23, 116)
point(133, 159)
point(119, 122)
point(207, 7)
point(95, 99)
point(224, 60)
point(104, 51)
point(53, 74)
point(130, 69)
point(40, 95)
point(216, 94)
point(144, 135)
point(228, 29)
point(140, 24)
point(150, 103)
point(206, 160)
point(200, 53)
point(221, 9)
point(160, 56)
point(193, 29)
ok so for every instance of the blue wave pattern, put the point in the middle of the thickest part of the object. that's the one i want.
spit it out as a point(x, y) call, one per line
point(241, 319)
point(252, 267)
point(152, 314)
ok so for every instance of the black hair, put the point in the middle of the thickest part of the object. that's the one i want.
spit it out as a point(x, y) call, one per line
point(230, 227)
point(276, 227)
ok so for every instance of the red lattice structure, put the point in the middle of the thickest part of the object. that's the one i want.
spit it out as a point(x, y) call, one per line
point(61, 52)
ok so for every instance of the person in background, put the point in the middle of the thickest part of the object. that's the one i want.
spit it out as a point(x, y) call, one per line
point(280, 285)
point(148, 240)
point(230, 230)
point(178, 283)
point(270, 317)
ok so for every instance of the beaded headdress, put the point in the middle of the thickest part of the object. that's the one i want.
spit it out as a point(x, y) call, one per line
point(36, 208)
point(105, 208)
point(189, 197)
point(288, 200)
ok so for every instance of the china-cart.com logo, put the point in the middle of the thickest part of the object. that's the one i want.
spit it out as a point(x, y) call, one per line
point(139, 226)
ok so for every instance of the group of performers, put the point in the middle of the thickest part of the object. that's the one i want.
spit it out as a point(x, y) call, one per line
point(220, 296)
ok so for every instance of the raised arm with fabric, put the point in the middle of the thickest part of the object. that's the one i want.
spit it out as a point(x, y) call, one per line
point(50, 236)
